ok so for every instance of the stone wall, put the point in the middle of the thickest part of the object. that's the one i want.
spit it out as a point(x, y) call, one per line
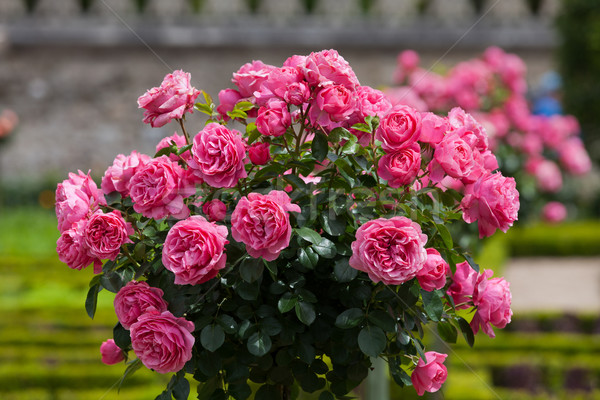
point(74, 78)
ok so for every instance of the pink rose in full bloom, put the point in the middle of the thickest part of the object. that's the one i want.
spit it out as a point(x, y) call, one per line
point(250, 76)
point(171, 100)
point(219, 156)
point(111, 353)
point(433, 128)
point(434, 272)
point(73, 251)
point(158, 188)
point(117, 176)
point(328, 67)
point(194, 250)
point(463, 284)
point(492, 298)
point(453, 157)
point(105, 233)
point(262, 223)
point(399, 128)
point(259, 153)
point(389, 250)
point(162, 342)
point(337, 102)
point(574, 157)
point(430, 375)
point(277, 84)
point(554, 212)
point(215, 210)
point(134, 299)
point(274, 118)
point(400, 167)
point(76, 198)
point(493, 201)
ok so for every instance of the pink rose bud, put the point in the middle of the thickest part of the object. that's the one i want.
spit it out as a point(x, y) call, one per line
point(399, 128)
point(228, 98)
point(262, 223)
point(194, 250)
point(297, 93)
point(463, 284)
point(391, 251)
point(554, 212)
point(134, 299)
point(492, 298)
point(111, 353)
point(433, 274)
point(493, 201)
point(162, 342)
point(215, 210)
point(171, 100)
point(259, 153)
point(274, 118)
point(429, 375)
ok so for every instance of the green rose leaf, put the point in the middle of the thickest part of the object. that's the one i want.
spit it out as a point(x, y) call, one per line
point(212, 337)
point(333, 224)
point(307, 257)
point(305, 312)
point(286, 302)
point(372, 341)
point(326, 248)
point(121, 336)
point(181, 388)
point(319, 146)
point(349, 318)
point(251, 269)
point(447, 331)
point(259, 344)
point(383, 320)
point(445, 234)
point(466, 330)
point(343, 271)
point(432, 304)
point(91, 300)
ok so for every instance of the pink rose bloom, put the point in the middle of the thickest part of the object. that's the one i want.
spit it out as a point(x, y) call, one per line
point(219, 156)
point(76, 199)
point(548, 176)
point(492, 298)
point(274, 118)
point(458, 118)
point(434, 272)
point(171, 100)
point(433, 128)
point(276, 86)
point(194, 250)
point(295, 61)
point(72, 249)
point(372, 102)
point(401, 167)
point(453, 156)
point(554, 212)
point(228, 98)
point(430, 375)
point(517, 110)
point(574, 157)
point(333, 104)
point(117, 176)
point(134, 299)
point(259, 153)
point(111, 353)
point(389, 250)
point(326, 68)
point(215, 210)
point(407, 61)
point(105, 233)
point(463, 285)
point(262, 223)
point(162, 342)
point(250, 76)
point(158, 188)
point(297, 93)
point(399, 128)
point(493, 201)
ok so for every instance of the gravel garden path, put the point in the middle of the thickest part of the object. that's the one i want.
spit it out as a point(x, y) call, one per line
point(555, 284)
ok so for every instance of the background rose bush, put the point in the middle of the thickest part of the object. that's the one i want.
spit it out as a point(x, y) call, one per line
point(294, 270)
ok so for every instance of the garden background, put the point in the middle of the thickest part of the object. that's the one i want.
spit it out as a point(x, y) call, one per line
point(72, 70)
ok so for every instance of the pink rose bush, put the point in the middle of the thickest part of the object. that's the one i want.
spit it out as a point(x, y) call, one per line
point(492, 88)
point(308, 217)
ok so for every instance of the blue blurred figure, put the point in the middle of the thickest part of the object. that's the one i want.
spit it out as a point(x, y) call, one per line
point(547, 101)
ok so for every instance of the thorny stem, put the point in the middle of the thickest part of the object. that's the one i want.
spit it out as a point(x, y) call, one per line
point(187, 136)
